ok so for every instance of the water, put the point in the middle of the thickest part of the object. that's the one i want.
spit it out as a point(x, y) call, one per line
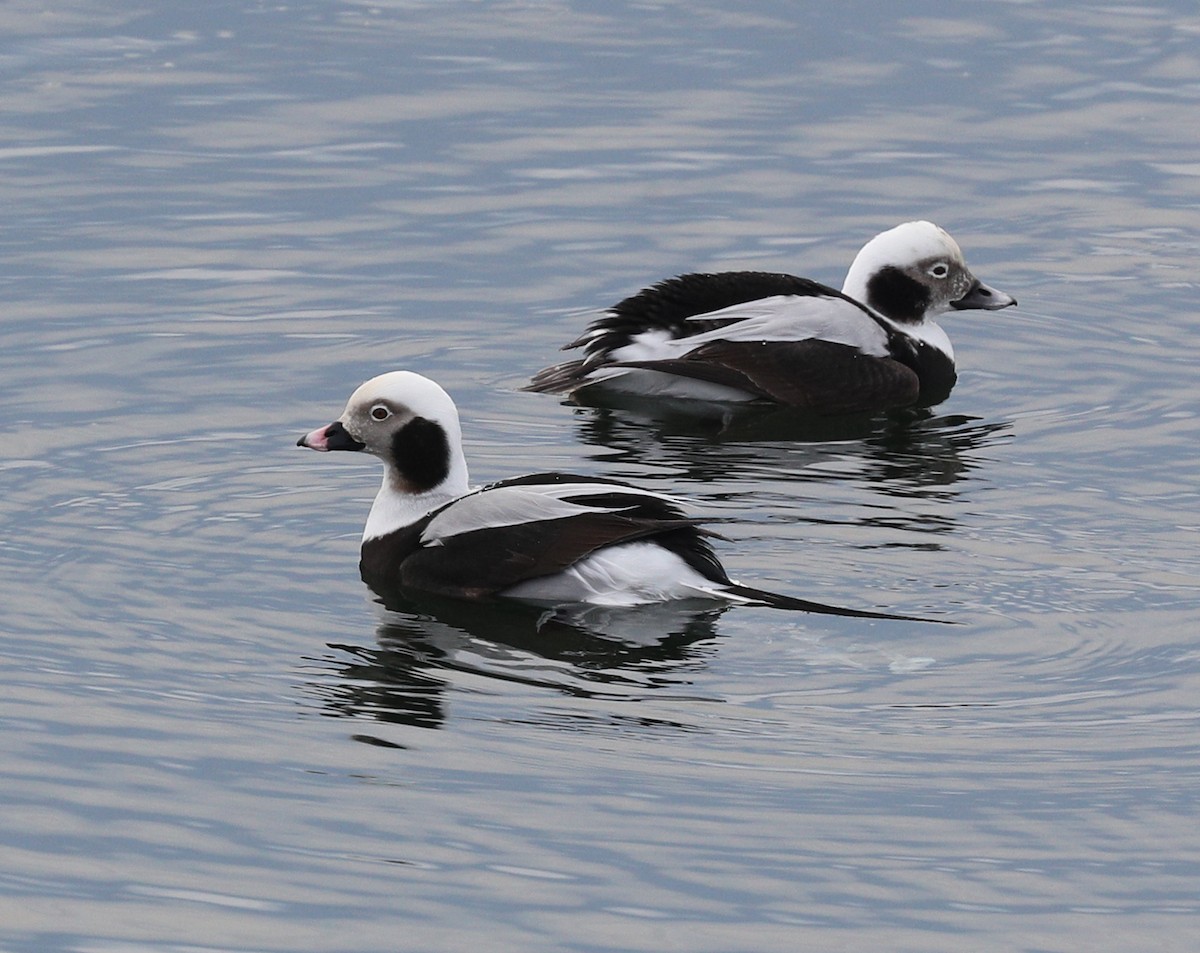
point(220, 220)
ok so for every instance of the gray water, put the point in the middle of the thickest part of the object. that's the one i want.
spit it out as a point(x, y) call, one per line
point(219, 218)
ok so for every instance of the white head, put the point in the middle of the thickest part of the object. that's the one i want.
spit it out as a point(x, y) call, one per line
point(916, 271)
point(411, 424)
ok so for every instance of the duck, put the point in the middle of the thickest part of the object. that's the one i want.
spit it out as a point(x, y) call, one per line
point(743, 336)
point(550, 538)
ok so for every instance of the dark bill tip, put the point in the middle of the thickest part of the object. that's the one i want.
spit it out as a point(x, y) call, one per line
point(984, 298)
point(333, 437)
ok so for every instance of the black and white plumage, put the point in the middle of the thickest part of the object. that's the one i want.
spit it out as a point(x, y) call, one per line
point(549, 537)
point(747, 335)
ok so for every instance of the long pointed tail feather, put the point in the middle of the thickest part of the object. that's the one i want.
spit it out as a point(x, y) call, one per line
point(558, 378)
point(749, 594)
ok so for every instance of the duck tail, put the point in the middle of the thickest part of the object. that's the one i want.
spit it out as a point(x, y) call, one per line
point(761, 597)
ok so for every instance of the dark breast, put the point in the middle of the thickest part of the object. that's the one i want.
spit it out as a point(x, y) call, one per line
point(381, 560)
point(935, 371)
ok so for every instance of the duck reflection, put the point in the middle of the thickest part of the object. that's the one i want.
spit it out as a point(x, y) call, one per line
point(899, 452)
point(581, 651)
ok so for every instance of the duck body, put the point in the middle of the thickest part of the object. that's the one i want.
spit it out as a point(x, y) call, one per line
point(550, 538)
point(764, 336)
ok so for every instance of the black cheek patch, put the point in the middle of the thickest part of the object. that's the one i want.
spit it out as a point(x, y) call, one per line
point(892, 293)
point(421, 454)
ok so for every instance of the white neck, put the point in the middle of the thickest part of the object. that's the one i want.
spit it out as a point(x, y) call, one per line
point(394, 508)
point(928, 331)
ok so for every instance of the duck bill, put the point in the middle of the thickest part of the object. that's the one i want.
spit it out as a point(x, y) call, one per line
point(333, 437)
point(981, 296)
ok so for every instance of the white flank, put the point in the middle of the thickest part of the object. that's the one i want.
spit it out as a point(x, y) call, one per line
point(630, 574)
point(648, 383)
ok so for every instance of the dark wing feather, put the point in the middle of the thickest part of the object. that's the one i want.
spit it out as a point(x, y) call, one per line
point(820, 376)
point(671, 305)
point(501, 558)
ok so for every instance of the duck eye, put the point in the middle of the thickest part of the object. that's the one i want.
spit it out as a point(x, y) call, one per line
point(939, 270)
point(380, 412)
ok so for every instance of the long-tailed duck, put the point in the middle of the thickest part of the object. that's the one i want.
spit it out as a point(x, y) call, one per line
point(749, 335)
point(551, 538)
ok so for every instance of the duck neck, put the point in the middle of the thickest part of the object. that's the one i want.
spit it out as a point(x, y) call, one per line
point(397, 505)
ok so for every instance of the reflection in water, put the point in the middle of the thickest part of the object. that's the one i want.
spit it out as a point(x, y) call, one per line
point(901, 452)
point(583, 651)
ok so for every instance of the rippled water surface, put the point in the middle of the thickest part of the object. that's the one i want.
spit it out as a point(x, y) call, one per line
point(220, 218)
